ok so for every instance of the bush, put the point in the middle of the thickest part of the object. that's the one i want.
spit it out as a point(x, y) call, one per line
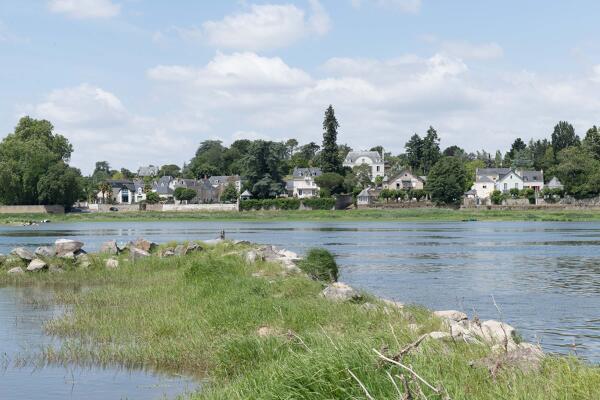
point(497, 197)
point(514, 193)
point(323, 203)
point(152, 198)
point(266, 204)
point(320, 265)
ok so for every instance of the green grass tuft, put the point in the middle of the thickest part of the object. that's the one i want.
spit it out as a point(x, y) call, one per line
point(320, 265)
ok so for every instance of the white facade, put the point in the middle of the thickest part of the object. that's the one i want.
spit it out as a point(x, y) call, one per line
point(509, 181)
point(404, 180)
point(303, 185)
point(487, 180)
point(371, 158)
point(484, 189)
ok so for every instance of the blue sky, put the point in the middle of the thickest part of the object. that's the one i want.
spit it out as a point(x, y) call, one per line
point(145, 81)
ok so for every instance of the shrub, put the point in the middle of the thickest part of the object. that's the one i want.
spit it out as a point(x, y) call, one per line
point(152, 198)
point(266, 204)
point(514, 193)
point(323, 203)
point(320, 265)
point(497, 197)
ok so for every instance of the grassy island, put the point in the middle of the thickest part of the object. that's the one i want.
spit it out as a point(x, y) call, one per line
point(400, 215)
point(251, 330)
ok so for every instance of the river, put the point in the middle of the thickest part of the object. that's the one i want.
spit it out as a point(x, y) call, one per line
point(541, 277)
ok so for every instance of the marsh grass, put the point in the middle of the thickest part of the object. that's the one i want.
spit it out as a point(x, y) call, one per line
point(202, 315)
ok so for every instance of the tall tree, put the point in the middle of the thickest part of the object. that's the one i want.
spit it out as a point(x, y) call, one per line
point(291, 145)
point(169, 170)
point(592, 141)
point(209, 159)
point(447, 181)
point(330, 160)
point(264, 167)
point(431, 150)
point(563, 136)
point(414, 152)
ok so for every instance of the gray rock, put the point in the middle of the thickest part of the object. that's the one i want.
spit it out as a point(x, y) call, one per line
point(440, 335)
point(180, 250)
point(526, 357)
point(65, 246)
point(192, 247)
point(109, 247)
point(251, 257)
point(45, 251)
point(37, 265)
point(339, 291)
point(242, 242)
point(136, 254)
point(55, 269)
point(451, 315)
point(112, 263)
point(495, 332)
point(16, 270)
point(23, 253)
point(213, 241)
point(68, 256)
point(144, 244)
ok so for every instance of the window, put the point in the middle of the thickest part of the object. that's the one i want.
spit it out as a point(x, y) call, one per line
point(516, 185)
point(484, 186)
point(299, 192)
point(378, 168)
point(505, 186)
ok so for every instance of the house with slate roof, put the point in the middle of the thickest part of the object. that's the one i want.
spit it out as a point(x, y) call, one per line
point(148, 171)
point(373, 159)
point(487, 180)
point(303, 185)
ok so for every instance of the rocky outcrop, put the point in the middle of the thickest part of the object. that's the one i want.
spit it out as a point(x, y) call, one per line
point(109, 247)
point(452, 315)
point(137, 254)
point(45, 251)
point(286, 258)
point(23, 254)
point(339, 291)
point(37, 265)
point(112, 263)
point(15, 270)
point(143, 244)
point(65, 246)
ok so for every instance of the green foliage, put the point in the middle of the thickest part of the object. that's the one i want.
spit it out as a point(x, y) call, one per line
point(330, 160)
point(170, 170)
point(419, 194)
point(264, 167)
point(184, 194)
point(270, 204)
point(514, 193)
point(230, 193)
point(423, 153)
point(34, 154)
point(363, 175)
point(319, 203)
point(563, 137)
point(592, 141)
point(320, 265)
point(330, 182)
point(386, 194)
point(152, 198)
point(208, 160)
point(497, 197)
point(447, 181)
point(579, 171)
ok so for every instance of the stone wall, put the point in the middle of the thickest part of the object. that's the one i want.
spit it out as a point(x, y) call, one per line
point(200, 207)
point(32, 210)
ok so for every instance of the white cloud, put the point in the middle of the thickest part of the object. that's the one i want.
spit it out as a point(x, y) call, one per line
point(408, 6)
point(82, 9)
point(595, 74)
point(266, 26)
point(466, 50)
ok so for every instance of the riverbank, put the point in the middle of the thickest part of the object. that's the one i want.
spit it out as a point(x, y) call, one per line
point(407, 215)
point(260, 331)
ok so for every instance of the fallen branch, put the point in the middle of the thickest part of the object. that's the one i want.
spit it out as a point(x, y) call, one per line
point(410, 347)
point(408, 395)
point(408, 369)
point(361, 385)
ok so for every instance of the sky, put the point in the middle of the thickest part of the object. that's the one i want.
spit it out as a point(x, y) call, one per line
point(138, 82)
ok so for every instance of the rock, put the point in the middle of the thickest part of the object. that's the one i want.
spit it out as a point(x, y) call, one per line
point(109, 247)
point(192, 247)
point(168, 253)
point(16, 270)
point(144, 244)
point(340, 291)
point(112, 263)
point(290, 266)
point(65, 246)
point(289, 254)
point(526, 357)
point(451, 315)
point(213, 241)
point(180, 250)
point(495, 332)
point(45, 251)
point(36, 265)
point(440, 335)
point(251, 257)
point(242, 242)
point(68, 256)
point(55, 269)
point(23, 254)
point(137, 254)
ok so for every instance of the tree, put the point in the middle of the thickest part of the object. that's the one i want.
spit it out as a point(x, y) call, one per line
point(446, 181)
point(430, 150)
point(454, 151)
point(330, 160)
point(105, 189)
point(127, 174)
point(363, 175)
point(61, 184)
point(184, 194)
point(579, 171)
point(230, 193)
point(386, 194)
point(563, 136)
point(471, 168)
point(414, 152)
point(291, 145)
point(541, 153)
point(517, 146)
point(592, 141)
point(209, 159)
point(498, 159)
point(152, 198)
point(27, 155)
point(169, 170)
point(330, 183)
point(265, 163)
point(378, 149)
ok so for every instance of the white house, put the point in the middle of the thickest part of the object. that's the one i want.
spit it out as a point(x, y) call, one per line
point(404, 180)
point(221, 182)
point(367, 197)
point(123, 192)
point(509, 181)
point(504, 179)
point(371, 158)
point(555, 184)
point(302, 184)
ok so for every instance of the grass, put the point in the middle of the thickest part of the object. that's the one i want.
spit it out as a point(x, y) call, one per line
point(202, 315)
point(408, 215)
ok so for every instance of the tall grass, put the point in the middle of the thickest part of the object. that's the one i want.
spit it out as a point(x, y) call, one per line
point(259, 334)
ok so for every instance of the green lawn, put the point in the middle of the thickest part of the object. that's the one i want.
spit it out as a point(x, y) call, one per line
point(202, 314)
point(413, 214)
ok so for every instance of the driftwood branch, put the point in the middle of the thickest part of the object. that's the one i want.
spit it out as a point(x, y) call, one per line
point(410, 347)
point(361, 385)
point(408, 395)
point(413, 373)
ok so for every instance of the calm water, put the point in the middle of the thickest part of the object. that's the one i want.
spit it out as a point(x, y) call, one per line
point(544, 276)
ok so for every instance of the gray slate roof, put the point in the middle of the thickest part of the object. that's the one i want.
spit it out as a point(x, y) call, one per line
point(354, 155)
point(221, 179)
point(303, 172)
point(121, 183)
point(532, 176)
point(492, 171)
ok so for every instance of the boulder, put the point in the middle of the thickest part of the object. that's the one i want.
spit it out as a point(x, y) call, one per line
point(180, 250)
point(495, 332)
point(65, 246)
point(440, 335)
point(112, 263)
point(242, 242)
point(55, 269)
point(45, 251)
point(289, 254)
point(167, 253)
point(16, 270)
point(452, 315)
point(526, 357)
point(23, 253)
point(68, 256)
point(251, 257)
point(36, 265)
point(340, 291)
point(136, 254)
point(213, 241)
point(192, 247)
point(144, 244)
point(109, 247)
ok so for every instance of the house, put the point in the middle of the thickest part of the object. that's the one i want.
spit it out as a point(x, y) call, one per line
point(163, 187)
point(555, 184)
point(224, 180)
point(373, 159)
point(148, 171)
point(302, 184)
point(404, 180)
point(367, 197)
point(139, 194)
point(487, 180)
point(122, 192)
point(205, 192)
point(246, 195)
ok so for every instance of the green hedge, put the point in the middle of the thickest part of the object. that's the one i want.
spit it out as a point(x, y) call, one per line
point(316, 203)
